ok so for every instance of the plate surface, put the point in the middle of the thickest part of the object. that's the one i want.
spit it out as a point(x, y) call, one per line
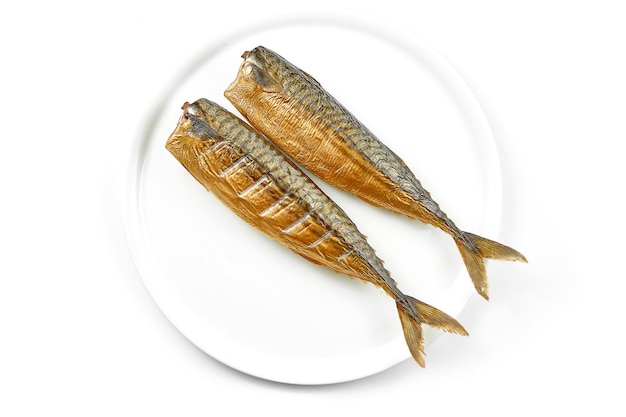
point(254, 305)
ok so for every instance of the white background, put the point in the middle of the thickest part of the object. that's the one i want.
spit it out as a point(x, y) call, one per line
point(80, 335)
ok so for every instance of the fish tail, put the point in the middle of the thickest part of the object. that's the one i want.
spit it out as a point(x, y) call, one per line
point(413, 313)
point(475, 249)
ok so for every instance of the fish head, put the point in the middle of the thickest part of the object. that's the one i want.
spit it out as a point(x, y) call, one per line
point(193, 133)
point(263, 76)
point(257, 77)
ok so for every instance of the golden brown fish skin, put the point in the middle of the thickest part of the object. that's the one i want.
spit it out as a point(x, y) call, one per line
point(308, 124)
point(257, 182)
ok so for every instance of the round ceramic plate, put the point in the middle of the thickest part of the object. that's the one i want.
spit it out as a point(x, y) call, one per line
point(252, 304)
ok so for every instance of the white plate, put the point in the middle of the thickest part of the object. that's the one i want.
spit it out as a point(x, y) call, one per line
point(252, 304)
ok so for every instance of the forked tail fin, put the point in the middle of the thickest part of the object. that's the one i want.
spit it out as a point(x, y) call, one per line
point(475, 250)
point(412, 316)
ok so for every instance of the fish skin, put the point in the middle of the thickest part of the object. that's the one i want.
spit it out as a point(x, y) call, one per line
point(291, 108)
point(251, 176)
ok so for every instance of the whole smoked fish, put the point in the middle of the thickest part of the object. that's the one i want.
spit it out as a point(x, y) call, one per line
point(308, 124)
point(256, 181)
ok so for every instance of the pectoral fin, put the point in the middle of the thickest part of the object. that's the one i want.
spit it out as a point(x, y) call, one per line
point(264, 80)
